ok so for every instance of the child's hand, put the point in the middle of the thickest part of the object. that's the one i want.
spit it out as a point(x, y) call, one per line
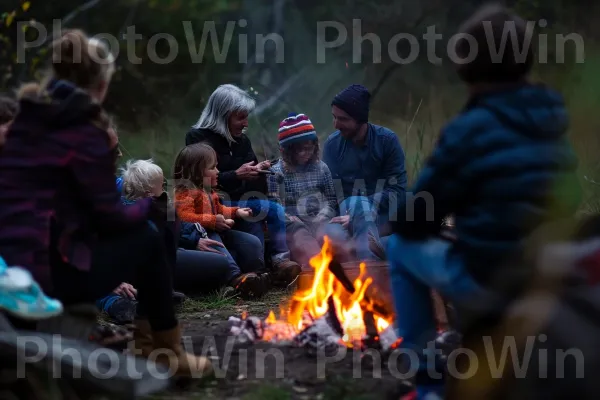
point(126, 290)
point(293, 218)
point(221, 224)
point(230, 222)
point(244, 212)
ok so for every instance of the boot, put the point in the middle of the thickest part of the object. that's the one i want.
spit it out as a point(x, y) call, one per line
point(142, 337)
point(249, 285)
point(285, 271)
point(185, 364)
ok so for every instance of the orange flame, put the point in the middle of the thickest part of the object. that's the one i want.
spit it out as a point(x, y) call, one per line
point(312, 303)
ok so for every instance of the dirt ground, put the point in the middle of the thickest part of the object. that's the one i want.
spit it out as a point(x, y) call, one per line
point(268, 371)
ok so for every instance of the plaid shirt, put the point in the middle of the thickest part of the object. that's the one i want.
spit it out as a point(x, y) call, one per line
point(307, 191)
point(57, 187)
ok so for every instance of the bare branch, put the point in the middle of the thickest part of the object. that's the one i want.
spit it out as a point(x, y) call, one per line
point(287, 85)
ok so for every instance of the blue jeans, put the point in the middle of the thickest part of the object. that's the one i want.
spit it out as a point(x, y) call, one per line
point(416, 267)
point(243, 252)
point(363, 219)
point(200, 271)
point(274, 214)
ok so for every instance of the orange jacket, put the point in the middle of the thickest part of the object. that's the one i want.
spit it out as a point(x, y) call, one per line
point(195, 205)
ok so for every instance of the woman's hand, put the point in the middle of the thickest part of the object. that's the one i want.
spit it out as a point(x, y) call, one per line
point(243, 212)
point(126, 290)
point(247, 171)
point(222, 224)
point(205, 245)
point(264, 165)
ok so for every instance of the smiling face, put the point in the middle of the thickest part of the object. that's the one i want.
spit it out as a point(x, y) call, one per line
point(238, 121)
point(304, 152)
point(343, 122)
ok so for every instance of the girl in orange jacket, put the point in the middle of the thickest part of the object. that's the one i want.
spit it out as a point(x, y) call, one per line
point(196, 201)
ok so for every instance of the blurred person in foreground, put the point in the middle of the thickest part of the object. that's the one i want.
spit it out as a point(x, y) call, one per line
point(502, 167)
point(58, 196)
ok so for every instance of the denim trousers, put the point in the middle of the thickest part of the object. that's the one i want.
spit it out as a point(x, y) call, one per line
point(274, 215)
point(364, 219)
point(242, 250)
point(416, 267)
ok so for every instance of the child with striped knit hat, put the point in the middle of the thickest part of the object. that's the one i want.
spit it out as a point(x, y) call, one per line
point(302, 183)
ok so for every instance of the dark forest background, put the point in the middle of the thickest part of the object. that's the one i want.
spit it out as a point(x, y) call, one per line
point(156, 103)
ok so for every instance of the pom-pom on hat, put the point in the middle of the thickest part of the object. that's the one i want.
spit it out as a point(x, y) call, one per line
point(296, 128)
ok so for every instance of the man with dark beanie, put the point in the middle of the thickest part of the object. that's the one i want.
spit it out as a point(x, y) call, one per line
point(503, 166)
point(367, 163)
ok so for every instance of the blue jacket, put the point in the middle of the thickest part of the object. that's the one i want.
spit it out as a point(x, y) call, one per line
point(503, 167)
point(376, 170)
point(190, 234)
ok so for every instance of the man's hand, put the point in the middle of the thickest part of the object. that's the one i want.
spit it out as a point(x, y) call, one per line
point(205, 245)
point(243, 212)
point(247, 171)
point(344, 220)
point(126, 290)
point(222, 224)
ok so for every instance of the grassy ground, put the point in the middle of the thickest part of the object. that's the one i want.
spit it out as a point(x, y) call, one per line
point(220, 303)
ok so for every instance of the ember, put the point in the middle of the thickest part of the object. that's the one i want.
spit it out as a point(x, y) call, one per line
point(329, 310)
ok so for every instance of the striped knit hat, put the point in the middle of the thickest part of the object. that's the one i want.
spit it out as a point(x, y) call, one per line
point(296, 128)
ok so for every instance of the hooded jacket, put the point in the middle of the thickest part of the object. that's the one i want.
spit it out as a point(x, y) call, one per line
point(229, 159)
point(57, 185)
point(502, 167)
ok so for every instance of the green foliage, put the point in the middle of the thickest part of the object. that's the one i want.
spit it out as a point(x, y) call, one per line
point(156, 103)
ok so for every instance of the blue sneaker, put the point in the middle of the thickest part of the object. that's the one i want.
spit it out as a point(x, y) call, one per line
point(22, 297)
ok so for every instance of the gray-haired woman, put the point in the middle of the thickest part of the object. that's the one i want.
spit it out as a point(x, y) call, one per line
point(222, 125)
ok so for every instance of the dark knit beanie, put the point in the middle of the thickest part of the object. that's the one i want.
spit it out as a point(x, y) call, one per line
point(354, 100)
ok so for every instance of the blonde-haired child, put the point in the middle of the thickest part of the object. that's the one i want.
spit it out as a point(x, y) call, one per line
point(141, 178)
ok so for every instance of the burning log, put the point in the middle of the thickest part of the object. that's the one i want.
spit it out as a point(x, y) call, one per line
point(324, 333)
point(328, 310)
point(319, 336)
point(371, 340)
point(378, 307)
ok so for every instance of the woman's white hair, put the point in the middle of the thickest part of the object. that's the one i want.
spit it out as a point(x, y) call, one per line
point(139, 177)
point(225, 100)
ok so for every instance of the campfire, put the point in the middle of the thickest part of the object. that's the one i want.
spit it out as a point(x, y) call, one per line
point(326, 309)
